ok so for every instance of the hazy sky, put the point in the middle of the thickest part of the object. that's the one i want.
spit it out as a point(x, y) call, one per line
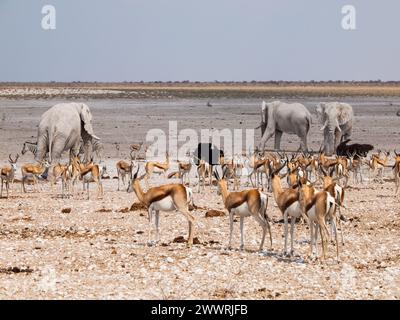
point(205, 40)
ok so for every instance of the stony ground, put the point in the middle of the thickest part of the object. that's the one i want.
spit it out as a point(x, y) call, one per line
point(99, 250)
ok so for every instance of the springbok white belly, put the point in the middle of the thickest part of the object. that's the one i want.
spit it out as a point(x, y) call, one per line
point(165, 204)
point(330, 207)
point(312, 214)
point(294, 210)
point(31, 175)
point(242, 210)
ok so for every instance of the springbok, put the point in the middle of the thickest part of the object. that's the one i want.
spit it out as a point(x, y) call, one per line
point(156, 167)
point(184, 170)
point(319, 207)
point(287, 201)
point(33, 171)
point(378, 164)
point(337, 192)
point(355, 165)
point(203, 170)
point(124, 168)
point(396, 172)
point(244, 203)
point(325, 162)
point(260, 166)
point(136, 147)
point(229, 168)
point(92, 173)
point(169, 197)
point(74, 171)
point(60, 171)
point(342, 169)
point(8, 174)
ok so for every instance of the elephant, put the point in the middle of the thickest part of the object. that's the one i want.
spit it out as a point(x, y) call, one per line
point(278, 117)
point(62, 128)
point(337, 121)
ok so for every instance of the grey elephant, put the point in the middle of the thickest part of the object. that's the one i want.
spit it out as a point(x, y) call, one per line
point(337, 123)
point(278, 117)
point(62, 128)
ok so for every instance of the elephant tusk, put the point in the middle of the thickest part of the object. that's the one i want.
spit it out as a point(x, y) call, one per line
point(324, 126)
point(340, 130)
point(95, 137)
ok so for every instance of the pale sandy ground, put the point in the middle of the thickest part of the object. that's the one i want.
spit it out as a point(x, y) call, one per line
point(97, 251)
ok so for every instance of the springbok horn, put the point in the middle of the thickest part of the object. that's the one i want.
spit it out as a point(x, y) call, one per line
point(279, 169)
point(135, 175)
point(216, 175)
point(323, 171)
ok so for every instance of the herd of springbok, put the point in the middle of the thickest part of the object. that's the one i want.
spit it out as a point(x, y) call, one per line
point(313, 190)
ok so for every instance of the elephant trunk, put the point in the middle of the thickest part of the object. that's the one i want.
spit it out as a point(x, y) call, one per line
point(330, 127)
point(329, 141)
point(264, 120)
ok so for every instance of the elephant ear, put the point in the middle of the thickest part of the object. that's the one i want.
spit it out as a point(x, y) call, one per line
point(320, 111)
point(344, 112)
point(86, 117)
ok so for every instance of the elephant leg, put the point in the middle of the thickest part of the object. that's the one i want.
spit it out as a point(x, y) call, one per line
point(338, 137)
point(303, 143)
point(266, 136)
point(42, 147)
point(57, 149)
point(278, 137)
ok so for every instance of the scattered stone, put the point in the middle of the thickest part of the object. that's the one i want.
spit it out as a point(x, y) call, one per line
point(137, 206)
point(11, 270)
point(66, 210)
point(179, 239)
point(214, 213)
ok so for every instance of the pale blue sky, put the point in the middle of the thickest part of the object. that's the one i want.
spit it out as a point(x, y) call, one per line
point(205, 40)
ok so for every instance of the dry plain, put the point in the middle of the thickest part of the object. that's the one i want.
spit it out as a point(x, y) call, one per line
point(98, 250)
